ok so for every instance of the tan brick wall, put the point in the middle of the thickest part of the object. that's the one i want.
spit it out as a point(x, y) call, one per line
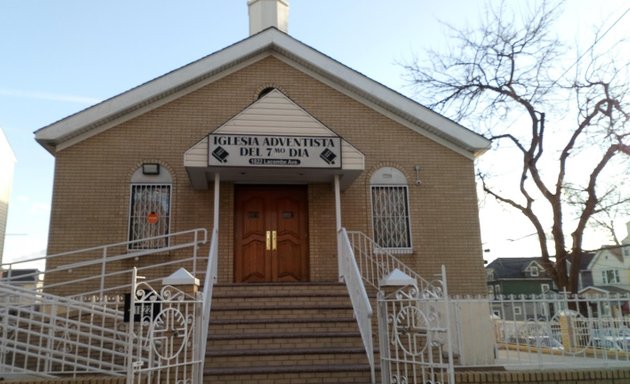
point(576, 376)
point(604, 376)
point(91, 192)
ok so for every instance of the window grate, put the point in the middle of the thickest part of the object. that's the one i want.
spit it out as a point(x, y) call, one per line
point(390, 215)
point(149, 215)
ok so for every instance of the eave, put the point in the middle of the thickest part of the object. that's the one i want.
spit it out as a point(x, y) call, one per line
point(95, 119)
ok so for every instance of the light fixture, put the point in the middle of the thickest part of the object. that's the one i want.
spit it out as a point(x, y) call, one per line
point(150, 169)
point(418, 181)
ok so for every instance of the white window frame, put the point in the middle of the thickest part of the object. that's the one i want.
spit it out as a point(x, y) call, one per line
point(518, 310)
point(615, 276)
point(392, 178)
point(544, 287)
point(160, 229)
point(533, 271)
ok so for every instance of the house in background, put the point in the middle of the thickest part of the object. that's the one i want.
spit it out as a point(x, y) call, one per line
point(609, 268)
point(21, 278)
point(7, 164)
point(517, 276)
point(609, 273)
point(585, 278)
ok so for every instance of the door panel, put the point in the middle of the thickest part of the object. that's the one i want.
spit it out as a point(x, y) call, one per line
point(271, 234)
point(290, 252)
point(251, 227)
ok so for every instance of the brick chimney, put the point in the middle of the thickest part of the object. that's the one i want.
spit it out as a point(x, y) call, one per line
point(268, 13)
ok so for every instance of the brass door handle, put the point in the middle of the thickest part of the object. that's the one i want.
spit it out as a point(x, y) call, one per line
point(268, 240)
point(274, 240)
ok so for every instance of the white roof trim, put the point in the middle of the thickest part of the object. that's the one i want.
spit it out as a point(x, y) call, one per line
point(270, 39)
point(538, 265)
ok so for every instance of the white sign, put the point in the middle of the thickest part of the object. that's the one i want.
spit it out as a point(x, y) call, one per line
point(274, 151)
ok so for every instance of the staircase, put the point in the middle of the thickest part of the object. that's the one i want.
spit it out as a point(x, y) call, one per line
point(284, 333)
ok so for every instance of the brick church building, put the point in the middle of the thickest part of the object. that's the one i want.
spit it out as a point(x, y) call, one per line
point(277, 146)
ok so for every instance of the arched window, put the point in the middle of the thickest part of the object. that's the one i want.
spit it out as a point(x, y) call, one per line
point(390, 210)
point(150, 207)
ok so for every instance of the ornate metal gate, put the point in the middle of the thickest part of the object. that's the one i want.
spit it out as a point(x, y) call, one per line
point(164, 328)
point(415, 334)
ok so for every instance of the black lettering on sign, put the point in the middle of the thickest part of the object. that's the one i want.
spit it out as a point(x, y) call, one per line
point(144, 311)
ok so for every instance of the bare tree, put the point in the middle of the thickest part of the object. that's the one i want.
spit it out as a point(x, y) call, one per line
point(515, 73)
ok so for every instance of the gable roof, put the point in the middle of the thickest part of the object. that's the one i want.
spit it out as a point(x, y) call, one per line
point(604, 289)
point(613, 250)
point(512, 267)
point(21, 275)
point(102, 116)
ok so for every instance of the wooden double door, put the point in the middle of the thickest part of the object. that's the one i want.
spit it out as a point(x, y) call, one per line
point(271, 233)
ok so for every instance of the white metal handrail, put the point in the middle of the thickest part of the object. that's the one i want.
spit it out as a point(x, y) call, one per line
point(104, 255)
point(210, 280)
point(375, 263)
point(46, 334)
point(358, 296)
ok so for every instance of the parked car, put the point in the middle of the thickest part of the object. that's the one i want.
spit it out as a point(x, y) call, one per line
point(545, 342)
point(611, 343)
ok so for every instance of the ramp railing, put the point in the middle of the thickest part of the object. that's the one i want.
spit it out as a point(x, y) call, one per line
point(73, 322)
point(56, 335)
point(107, 269)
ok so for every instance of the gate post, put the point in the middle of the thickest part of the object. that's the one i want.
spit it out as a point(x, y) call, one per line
point(414, 331)
point(189, 284)
point(388, 286)
point(184, 281)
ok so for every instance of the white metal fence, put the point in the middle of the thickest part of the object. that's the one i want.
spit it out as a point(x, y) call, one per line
point(550, 330)
point(414, 336)
point(163, 331)
point(52, 335)
point(414, 324)
point(46, 335)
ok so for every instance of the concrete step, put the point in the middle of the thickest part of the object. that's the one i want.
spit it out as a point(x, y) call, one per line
point(284, 333)
point(284, 356)
point(269, 325)
point(286, 340)
point(290, 374)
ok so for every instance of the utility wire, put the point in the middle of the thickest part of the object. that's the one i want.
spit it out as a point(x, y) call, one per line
point(591, 47)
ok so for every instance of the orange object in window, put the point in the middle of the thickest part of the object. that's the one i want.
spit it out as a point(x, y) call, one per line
point(153, 218)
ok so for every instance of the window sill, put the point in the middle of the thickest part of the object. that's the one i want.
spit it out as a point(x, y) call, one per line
point(395, 251)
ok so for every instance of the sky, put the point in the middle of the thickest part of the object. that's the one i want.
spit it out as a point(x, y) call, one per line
point(60, 57)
